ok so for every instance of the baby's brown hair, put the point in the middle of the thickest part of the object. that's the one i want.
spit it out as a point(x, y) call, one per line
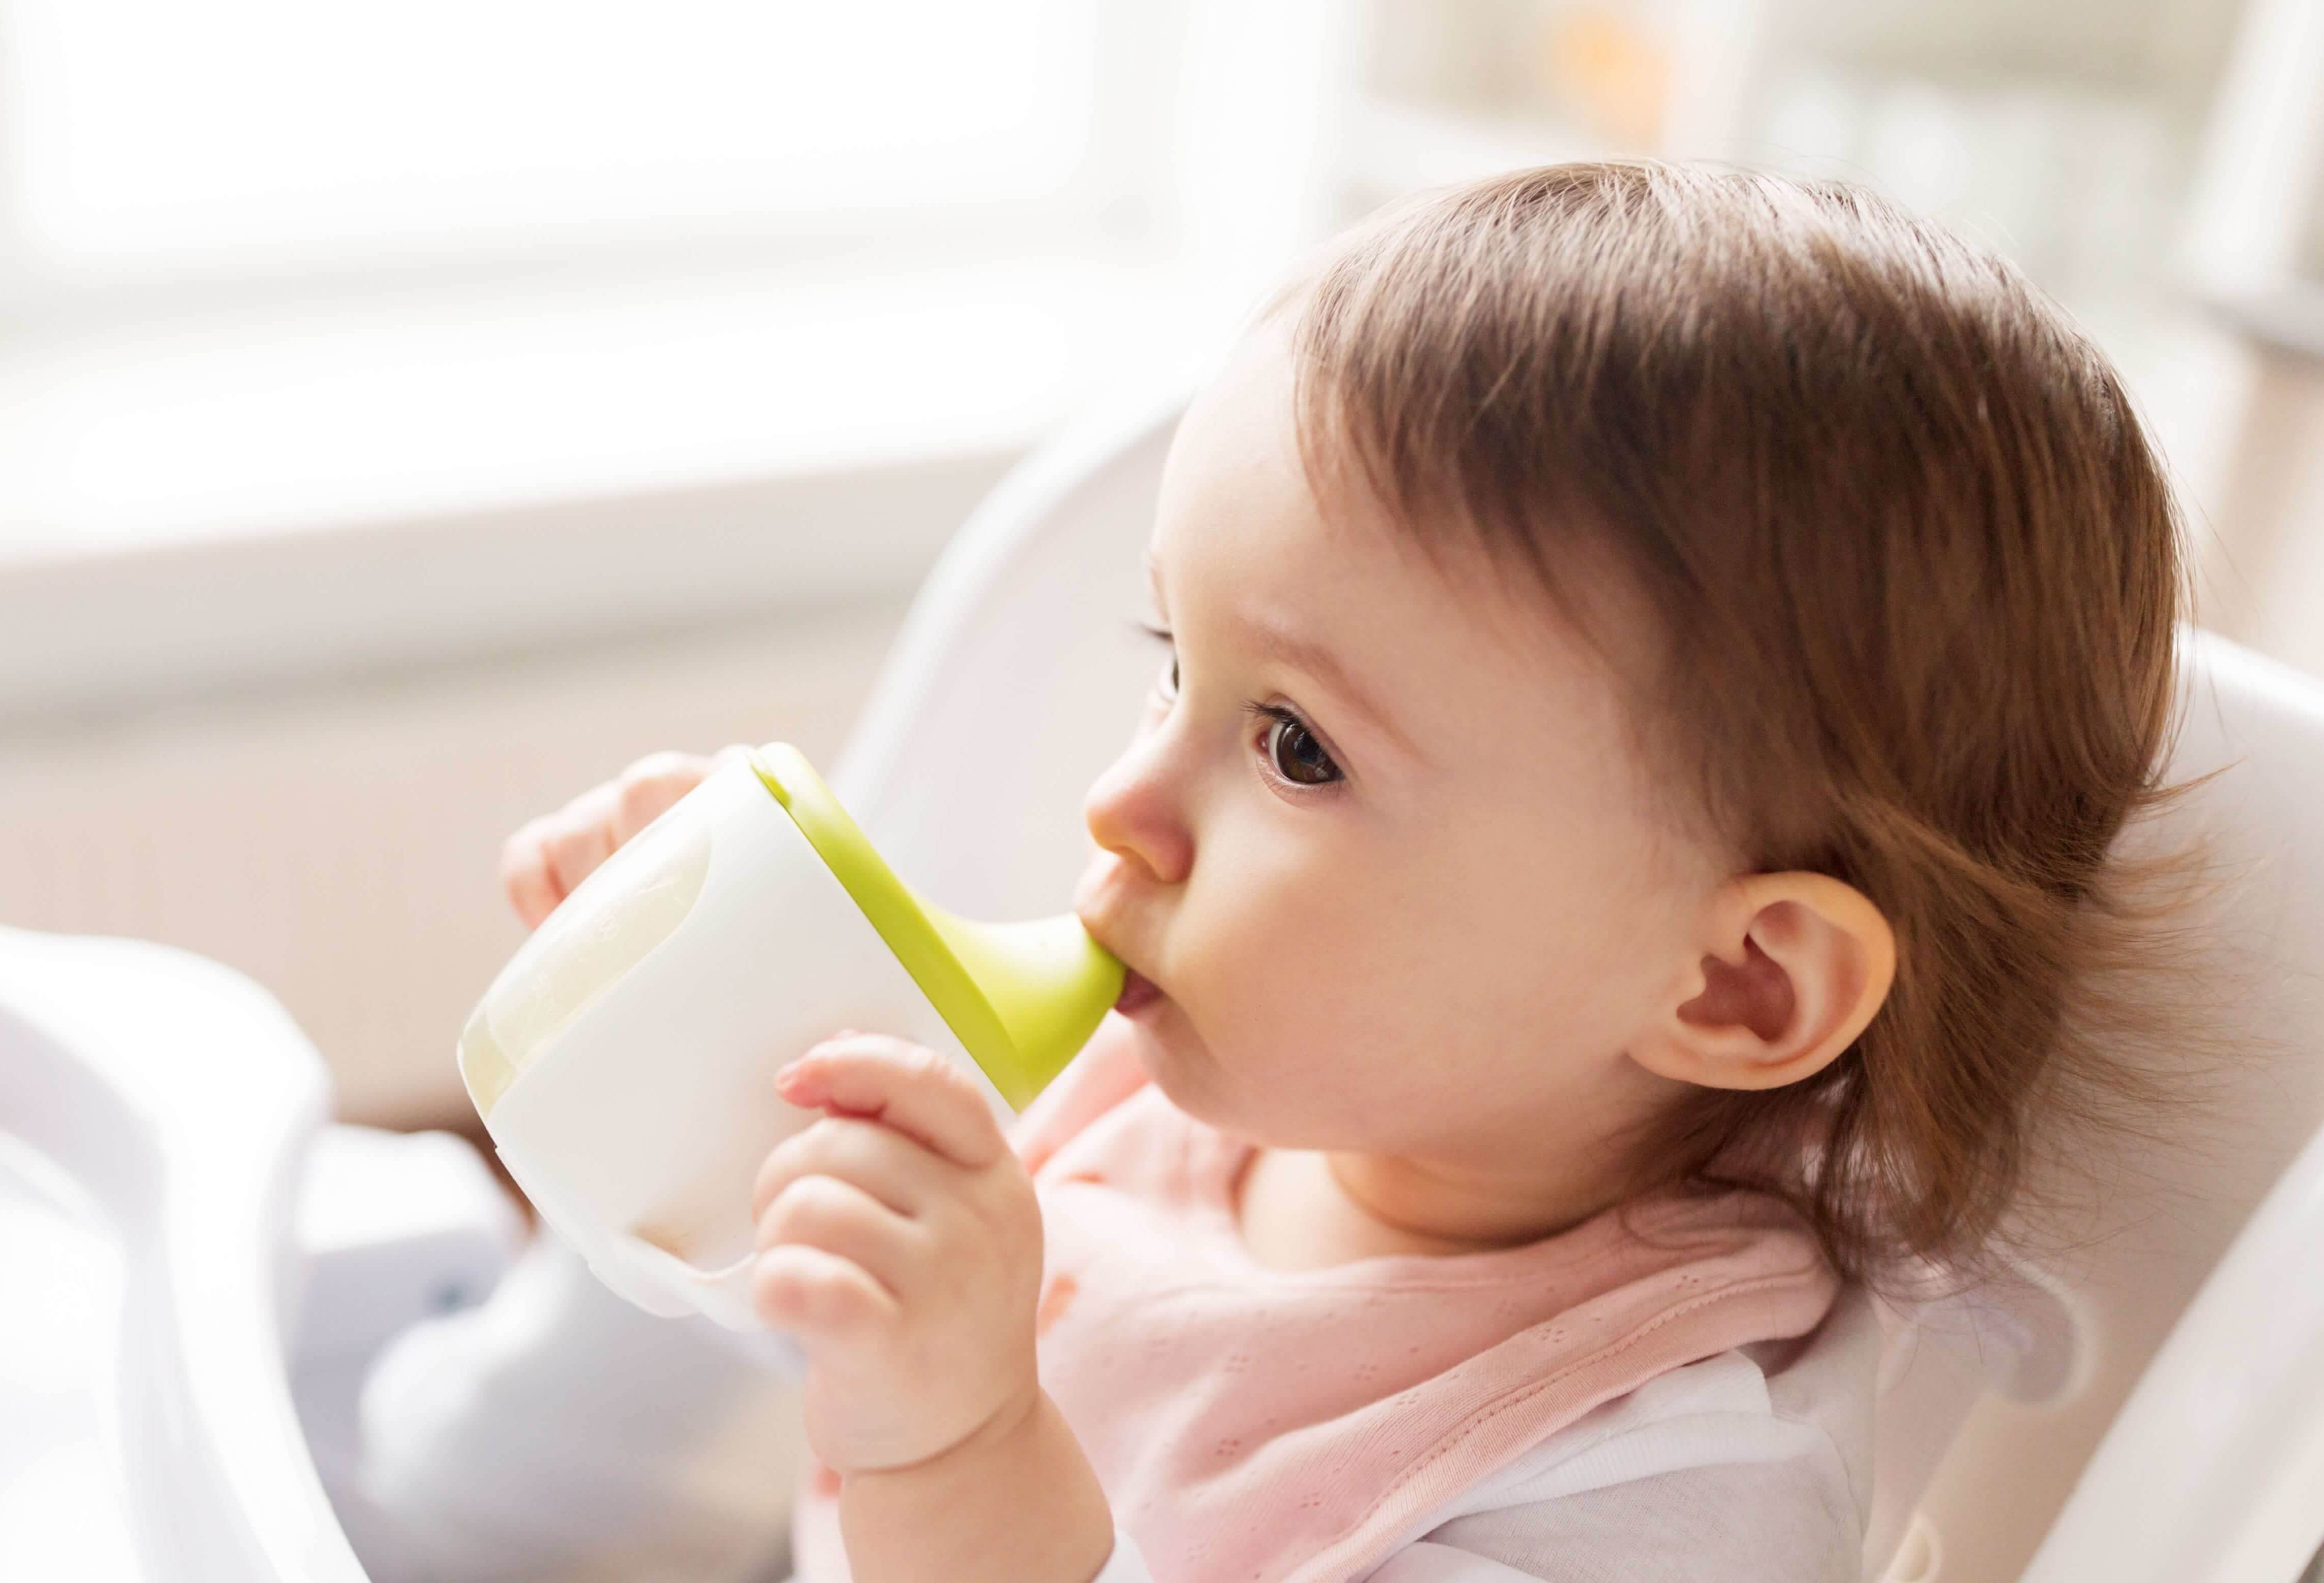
point(1918, 574)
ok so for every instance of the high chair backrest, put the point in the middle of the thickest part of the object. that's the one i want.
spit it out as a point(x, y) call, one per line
point(2151, 1409)
point(1015, 682)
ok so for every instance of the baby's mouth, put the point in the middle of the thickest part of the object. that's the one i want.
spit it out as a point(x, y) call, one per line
point(1137, 991)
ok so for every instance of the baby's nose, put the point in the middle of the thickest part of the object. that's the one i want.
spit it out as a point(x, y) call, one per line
point(1135, 814)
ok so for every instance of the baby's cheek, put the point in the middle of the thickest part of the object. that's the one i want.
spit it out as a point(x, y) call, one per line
point(1307, 1067)
point(1284, 967)
point(1285, 1029)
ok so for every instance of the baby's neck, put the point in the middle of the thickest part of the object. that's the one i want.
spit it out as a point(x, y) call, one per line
point(1303, 1209)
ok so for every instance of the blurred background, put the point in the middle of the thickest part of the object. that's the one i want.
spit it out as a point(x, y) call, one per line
point(411, 414)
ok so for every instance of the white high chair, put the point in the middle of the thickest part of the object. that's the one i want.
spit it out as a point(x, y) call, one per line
point(2153, 1414)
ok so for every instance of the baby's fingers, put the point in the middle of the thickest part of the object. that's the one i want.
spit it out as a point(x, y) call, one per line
point(841, 1218)
point(526, 875)
point(902, 1085)
point(899, 1170)
point(643, 791)
point(815, 1294)
point(580, 838)
point(543, 861)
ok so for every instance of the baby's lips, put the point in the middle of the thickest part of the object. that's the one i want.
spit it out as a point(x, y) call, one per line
point(1138, 991)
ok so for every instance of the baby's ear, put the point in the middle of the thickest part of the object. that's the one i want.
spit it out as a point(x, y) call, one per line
point(1794, 966)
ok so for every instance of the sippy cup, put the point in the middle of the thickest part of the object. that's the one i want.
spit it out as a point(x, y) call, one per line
point(624, 1060)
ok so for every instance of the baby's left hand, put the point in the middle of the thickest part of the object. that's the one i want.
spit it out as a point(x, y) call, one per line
point(899, 1242)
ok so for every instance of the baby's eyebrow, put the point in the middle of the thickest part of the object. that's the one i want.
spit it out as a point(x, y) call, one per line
point(1304, 654)
point(1318, 661)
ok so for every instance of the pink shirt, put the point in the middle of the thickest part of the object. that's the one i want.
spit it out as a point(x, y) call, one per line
point(1254, 1423)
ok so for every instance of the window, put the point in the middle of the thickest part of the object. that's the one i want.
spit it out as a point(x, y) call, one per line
point(152, 141)
point(279, 265)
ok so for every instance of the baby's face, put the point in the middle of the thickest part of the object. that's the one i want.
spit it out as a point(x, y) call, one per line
point(1384, 844)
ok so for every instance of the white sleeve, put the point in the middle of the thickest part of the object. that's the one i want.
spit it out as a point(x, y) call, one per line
point(1761, 1529)
point(1751, 1467)
point(1442, 1563)
point(1643, 1491)
point(1740, 1522)
point(557, 1424)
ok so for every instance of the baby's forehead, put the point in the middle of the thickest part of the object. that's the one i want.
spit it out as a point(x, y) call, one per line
point(1252, 522)
point(1264, 579)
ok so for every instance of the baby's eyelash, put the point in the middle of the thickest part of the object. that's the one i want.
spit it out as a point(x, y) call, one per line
point(1272, 713)
point(1275, 713)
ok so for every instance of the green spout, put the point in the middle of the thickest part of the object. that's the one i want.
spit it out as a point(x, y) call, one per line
point(1023, 998)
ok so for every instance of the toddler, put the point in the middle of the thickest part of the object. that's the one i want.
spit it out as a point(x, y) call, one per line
point(1655, 660)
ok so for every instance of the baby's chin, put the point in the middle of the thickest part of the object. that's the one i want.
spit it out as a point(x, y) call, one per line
point(1179, 1063)
point(1192, 1078)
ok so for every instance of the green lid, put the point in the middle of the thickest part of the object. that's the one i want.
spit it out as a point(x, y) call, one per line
point(1022, 998)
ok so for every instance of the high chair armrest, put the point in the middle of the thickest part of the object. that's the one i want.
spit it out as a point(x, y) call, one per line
point(177, 1095)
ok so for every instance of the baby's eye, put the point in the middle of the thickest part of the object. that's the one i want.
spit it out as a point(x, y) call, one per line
point(1292, 750)
point(1170, 670)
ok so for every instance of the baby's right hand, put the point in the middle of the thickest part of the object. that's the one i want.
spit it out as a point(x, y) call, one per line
point(543, 861)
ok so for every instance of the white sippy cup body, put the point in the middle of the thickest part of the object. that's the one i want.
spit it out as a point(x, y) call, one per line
point(622, 1060)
